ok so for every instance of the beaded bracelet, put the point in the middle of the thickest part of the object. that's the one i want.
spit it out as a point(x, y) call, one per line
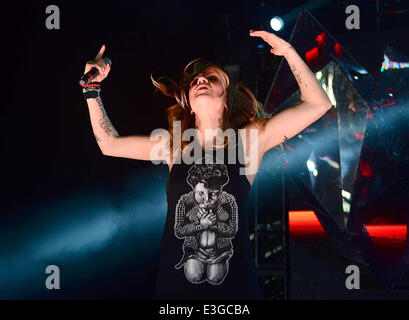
point(91, 90)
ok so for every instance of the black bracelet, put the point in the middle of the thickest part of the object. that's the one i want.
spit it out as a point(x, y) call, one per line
point(91, 94)
point(91, 90)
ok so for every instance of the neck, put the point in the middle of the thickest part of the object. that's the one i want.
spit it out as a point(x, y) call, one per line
point(207, 122)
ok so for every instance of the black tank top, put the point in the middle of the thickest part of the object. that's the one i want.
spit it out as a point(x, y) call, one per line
point(205, 250)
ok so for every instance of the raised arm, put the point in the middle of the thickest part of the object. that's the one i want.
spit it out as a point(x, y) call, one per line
point(314, 101)
point(110, 143)
point(108, 139)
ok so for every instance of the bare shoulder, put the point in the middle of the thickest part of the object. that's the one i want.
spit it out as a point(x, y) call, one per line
point(257, 124)
point(252, 133)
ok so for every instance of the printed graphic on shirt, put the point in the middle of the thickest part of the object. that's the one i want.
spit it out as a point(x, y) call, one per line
point(207, 218)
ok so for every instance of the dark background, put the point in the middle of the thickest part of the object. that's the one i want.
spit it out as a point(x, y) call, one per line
point(48, 148)
point(47, 140)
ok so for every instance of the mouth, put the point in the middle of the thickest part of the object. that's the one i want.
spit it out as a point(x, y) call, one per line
point(201, 87)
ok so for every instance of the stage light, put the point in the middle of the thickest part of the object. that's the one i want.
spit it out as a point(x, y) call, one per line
point(328, 160)
point(310, 165)
point(305, 224)
point(311, 168)
point(276, 23)
point(346, 194)
point(346, 207)
point(392, 232)
point(389, 64)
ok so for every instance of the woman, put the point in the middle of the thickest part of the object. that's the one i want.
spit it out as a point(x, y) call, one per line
point(206, 220)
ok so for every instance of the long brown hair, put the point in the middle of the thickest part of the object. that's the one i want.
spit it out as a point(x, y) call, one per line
point(242, 106)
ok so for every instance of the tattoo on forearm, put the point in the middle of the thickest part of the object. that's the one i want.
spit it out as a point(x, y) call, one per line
point(105, 123)
point(297, 75)
point(96, 138)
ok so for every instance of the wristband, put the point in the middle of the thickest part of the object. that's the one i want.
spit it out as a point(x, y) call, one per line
point(91, 90)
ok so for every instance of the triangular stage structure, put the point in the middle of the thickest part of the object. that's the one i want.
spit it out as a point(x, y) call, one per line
point(326, 155)
point(352, 155)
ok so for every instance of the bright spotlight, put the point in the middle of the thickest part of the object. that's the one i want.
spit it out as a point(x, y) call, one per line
point(311, 165)
point(276, 23)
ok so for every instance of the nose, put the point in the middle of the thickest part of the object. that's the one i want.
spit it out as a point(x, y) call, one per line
point(201, 80)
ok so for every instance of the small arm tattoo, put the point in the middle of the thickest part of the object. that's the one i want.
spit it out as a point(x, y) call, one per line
point(105, 123)
point(96, 138)
point(297, 75)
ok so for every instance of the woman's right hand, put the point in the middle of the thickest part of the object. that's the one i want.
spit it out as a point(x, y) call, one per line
point(98, 63)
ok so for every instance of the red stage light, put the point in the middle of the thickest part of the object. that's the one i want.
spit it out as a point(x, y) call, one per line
point(359, 136)
point(392, 232)
point(305, 224)
point(312, 55)
point(321, 39)
point(337, 49)
point(365, 169)
point(388, 239)
point(391, 103)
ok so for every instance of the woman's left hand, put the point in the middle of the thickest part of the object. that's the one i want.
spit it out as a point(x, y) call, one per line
point(278, 45)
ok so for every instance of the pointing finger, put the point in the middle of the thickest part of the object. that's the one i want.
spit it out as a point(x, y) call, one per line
point(100, 53)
